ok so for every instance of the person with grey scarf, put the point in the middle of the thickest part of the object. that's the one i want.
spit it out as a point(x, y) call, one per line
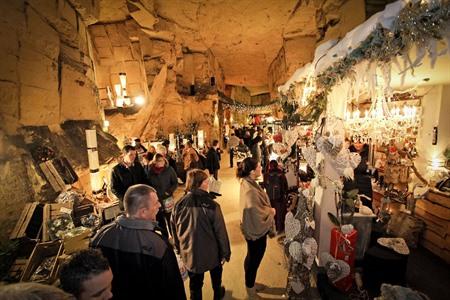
point(257, 220)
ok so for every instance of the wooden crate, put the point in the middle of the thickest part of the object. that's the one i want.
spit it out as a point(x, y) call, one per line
point(40, 252)
point(17, 269)
point(439, 197)
point(52, 176)
point(52, 211)
point(30, 222)
point(78, 242)
point(434, 210)
point(109, 211)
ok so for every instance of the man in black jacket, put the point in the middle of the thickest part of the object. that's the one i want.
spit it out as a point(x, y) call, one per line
point(126, 173)
point(142, 261)
point(213, 159)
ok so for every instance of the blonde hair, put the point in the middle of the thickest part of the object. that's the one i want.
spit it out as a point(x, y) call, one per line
point(161, 149)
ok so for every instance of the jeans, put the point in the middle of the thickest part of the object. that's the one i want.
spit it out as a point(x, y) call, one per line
point(255, 253)
point(196, 283)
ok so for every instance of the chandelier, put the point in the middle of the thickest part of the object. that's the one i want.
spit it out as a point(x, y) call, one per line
point(382, 122)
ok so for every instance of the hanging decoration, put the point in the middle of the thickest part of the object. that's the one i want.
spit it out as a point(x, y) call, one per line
point(236, 106)
point(419, 23)
point(300, 246)
point(250, 109)
point(382, 123)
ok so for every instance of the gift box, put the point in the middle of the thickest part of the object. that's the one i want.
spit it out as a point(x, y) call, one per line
point(343, 247)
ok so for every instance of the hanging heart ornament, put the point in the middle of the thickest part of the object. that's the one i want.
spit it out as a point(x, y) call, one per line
point(309, 250)
point(297, 285)
point(336, 268)
point(292, 226)
point(309, 153)
point(295, 250)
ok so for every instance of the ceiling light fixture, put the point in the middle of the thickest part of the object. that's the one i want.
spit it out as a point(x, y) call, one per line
point(381, 123)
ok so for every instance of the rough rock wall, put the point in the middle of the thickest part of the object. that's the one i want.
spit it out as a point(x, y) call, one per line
point(18, 181)
point(332, 19)
point(161, 69)
point(46, 75)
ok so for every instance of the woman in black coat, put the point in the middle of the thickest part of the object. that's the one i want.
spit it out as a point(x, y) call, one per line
point(163, 179)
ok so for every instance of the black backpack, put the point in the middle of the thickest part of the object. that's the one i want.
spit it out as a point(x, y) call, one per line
point(274, 186)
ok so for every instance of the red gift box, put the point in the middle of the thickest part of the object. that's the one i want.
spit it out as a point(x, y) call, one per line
point(343, 247)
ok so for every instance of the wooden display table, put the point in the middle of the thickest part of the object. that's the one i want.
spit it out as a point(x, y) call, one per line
point(434, 210)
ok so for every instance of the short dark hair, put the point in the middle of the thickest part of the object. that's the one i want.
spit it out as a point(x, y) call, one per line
point(137, 140)
point(273, 164)
point(127, 148)
point(81, 267)
point(246, 166)
point(136, 197)
point(215, 143)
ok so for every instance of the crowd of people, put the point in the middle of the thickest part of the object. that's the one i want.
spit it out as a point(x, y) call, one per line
point(145, 250)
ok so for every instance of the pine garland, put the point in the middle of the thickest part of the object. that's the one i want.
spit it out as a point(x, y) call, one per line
point(417, 24)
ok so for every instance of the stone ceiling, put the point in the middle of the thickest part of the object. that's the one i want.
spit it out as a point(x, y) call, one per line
point(244, 35)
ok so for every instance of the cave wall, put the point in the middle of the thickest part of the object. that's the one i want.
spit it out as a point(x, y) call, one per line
point(46, 79)
point(160, 68)
point(46, 75)
point(332, 21)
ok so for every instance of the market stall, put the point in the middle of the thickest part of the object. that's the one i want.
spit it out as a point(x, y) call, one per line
point(385, 84)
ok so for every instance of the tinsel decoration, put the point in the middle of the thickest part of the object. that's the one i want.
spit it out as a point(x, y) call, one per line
point(250, 109)
point(419, 23)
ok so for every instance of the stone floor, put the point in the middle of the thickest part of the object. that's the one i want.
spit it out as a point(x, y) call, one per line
point(272, 272)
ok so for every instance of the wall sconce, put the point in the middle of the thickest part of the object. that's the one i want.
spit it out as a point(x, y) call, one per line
point(122, 98)
point(123, 80)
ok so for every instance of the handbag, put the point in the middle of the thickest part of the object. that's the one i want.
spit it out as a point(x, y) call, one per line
point(168, 204)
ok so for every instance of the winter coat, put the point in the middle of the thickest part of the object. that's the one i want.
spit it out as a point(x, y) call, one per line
point(276, 185)
point(212, 160)
point(362, 180)
point(143, 263)
point(122, 177)
point(165, 183)
point(257, 217)
point(256, 152)
point(199, 232)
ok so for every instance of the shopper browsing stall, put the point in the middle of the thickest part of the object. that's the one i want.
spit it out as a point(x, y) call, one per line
point(257, 220)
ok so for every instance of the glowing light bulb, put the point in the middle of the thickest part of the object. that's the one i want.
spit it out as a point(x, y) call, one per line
point(139, 100)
